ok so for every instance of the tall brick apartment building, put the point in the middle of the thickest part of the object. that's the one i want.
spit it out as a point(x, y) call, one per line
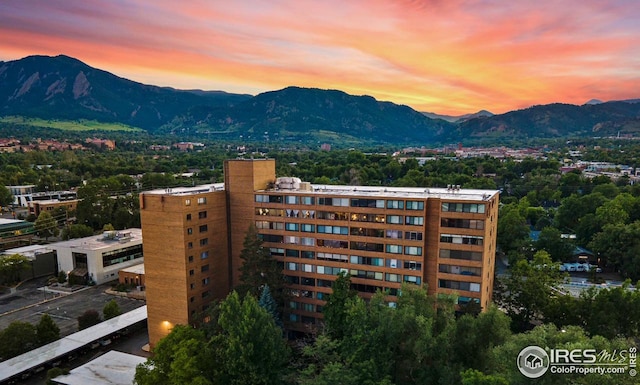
point(444, 238)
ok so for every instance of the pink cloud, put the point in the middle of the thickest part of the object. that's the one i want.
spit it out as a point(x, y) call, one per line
point(443, 56)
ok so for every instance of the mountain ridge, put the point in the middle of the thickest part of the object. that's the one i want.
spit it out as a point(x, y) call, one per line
point(63, 87)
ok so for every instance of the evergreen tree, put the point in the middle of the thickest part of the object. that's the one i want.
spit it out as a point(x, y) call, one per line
point(47, 330)
point(269, 304)
point(259, 269)
point(335, 311)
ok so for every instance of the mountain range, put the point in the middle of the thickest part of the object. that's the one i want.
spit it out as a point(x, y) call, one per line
point(65, 88)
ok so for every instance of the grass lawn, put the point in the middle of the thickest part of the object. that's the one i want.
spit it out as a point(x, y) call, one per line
point(68, 125)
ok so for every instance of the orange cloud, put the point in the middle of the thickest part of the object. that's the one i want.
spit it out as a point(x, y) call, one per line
point(443, 56)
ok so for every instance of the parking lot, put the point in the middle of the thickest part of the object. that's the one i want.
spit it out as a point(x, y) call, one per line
point(29, 303)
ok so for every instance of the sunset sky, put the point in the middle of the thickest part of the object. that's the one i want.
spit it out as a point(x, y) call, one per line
point(443, 56)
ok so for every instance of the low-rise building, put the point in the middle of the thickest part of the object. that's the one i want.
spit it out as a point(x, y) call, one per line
point(42, 260)
point(132, 275)
point(49, 205)
point(98, 258)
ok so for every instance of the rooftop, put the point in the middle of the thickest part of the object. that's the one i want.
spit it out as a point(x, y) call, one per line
point(56, 349)
point(453, 193)
point(135, 269)
point(105, 240)
point(28, 251)
point(203, 188)
point(110, 368)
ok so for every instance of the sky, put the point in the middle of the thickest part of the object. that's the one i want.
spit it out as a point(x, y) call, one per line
point(445, 56)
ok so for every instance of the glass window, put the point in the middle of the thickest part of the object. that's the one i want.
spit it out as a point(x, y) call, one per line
point(395, 204)
point(204, 241)
point(291, 199)
point(415, 205)
point(202, 215)
point(413, 235)
point(189, 231)
point(203, 228)
point(461, 254)
point(463, 207)
point(412, 265)
point(188, 217)
point(413, 250)
point(394, 234)
point(461, 239)
point(416, 221)
point(202, 200)
point(187, 202)
point(307, 228)
point(291, 226)
point(392, 263)
point(394, 249)
point(412, 279)
point(204, 268)
point(394, 219)
point(308, 200)
point(275, 198)
point(390, 277)
point(204, 255)
point(371, 203)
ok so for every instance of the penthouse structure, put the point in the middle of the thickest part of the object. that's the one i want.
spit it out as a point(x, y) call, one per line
point(443, 238)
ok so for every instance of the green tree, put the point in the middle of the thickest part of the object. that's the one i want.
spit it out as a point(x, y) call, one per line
point(551, 241)
point(335, 309)
point(77, 231)
point(250, 348)
point(53, 373)
point(12, 266)
point(47, 330)
point(17, 338)
point(549, 336)
point(46, 226)
point(111, 309)
point(513, 232)
point(475, 377)
point(178, 358)
point(5, 196)
point(529, 288)
point(259, 268)
point(618, 245)
point(88, 318)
